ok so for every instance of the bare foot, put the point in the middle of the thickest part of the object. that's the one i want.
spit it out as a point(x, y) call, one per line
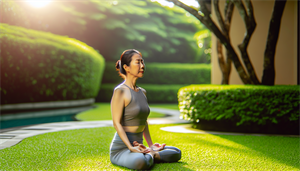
point(155, 154)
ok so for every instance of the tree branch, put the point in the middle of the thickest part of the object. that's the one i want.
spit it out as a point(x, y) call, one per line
point(250, 25)
point(229, 6)
point(219, 16)
point(222, 64)
point(228, 14)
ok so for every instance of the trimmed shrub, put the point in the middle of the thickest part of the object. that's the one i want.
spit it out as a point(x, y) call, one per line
point(241, 106)
point(155, 93)
point(38, 66)
point(165, 73)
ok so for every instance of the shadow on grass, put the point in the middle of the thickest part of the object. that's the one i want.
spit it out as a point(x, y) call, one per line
point(235, 151)
point(163, 166)
point(283, 149)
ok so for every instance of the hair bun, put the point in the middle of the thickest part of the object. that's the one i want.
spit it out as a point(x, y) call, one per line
point(118, 64)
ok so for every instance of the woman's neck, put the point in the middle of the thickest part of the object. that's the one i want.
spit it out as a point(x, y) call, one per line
point(130, 82)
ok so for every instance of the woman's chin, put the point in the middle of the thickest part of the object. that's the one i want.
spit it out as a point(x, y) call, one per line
point(141, 75)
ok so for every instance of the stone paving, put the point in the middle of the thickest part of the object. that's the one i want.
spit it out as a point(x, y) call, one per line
point(15, 135)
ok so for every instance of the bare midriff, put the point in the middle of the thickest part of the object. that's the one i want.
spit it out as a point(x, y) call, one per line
point(134, 129)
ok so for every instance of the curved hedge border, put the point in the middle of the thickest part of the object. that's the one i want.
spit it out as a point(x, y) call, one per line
point(38, 66)
point(155, 93)
point(241, 105)
point(165, 73)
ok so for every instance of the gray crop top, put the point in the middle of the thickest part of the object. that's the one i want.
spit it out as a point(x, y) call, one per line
point(137, 111)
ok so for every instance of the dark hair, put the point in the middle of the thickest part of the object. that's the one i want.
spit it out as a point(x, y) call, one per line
point(125, 58)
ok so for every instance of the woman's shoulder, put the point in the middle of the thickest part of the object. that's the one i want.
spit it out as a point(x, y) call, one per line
point(143, 90)
point(120, 87)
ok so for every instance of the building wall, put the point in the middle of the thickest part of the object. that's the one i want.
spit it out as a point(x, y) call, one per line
point(286, 49)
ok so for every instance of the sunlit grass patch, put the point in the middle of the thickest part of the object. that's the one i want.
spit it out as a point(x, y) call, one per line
point(165, 106)
point(88, 149)
point(103, 112)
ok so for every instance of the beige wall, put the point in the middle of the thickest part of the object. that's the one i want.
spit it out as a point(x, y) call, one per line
point(286, 52)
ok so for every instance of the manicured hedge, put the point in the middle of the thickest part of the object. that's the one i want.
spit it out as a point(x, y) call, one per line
point(243, 105)
point(165, 73)
point(155, 93)
point(38, 66)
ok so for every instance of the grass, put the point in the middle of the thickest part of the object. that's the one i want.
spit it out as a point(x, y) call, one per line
point(88, 149)
point(102, 112)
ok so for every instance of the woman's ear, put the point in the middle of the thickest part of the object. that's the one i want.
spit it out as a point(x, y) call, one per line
point(126, 68)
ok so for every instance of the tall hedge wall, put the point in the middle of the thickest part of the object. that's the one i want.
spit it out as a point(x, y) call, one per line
point(39, 66)
point(155, 93)
point(246, 106)
point(161, 80)
point(165, 73)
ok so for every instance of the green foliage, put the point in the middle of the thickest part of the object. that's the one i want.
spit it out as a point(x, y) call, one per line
point(113, 26)
point(161, 81)
point(241, 104)
point(38, 66)
point(162, 73)
point(155, 93)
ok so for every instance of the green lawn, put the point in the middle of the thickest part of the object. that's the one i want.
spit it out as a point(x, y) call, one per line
point(88, 149)
point(166, 106)
point(102, 112)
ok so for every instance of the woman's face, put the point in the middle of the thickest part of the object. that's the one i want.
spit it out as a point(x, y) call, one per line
point(136, 67)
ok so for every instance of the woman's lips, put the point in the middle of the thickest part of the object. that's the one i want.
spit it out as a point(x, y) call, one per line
point(142, 71)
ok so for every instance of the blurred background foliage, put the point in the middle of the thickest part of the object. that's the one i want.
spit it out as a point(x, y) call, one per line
point(39, 66)
point(162, 34)
point(161, 81)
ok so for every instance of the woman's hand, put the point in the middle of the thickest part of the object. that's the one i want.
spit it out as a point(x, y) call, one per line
point(139, 148)
point(158, 147)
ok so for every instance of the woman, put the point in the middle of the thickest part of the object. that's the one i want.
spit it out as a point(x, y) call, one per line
point(130, 111)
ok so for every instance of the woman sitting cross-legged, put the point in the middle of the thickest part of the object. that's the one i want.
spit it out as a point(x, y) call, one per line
point(130, 110)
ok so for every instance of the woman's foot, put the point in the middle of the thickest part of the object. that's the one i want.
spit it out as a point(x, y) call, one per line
point(156, 155)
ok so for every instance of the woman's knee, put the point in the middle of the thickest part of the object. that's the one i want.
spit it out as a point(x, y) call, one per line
point(170, 154)
point(142, 161)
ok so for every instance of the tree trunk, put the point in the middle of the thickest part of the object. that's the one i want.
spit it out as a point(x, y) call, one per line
point(268, 77)
point(204, 17)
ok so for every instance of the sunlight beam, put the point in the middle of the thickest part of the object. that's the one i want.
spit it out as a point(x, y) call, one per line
point(38, 3)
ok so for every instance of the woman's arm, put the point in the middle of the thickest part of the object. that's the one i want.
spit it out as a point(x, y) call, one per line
point(156, 146)
point(147, 135)
point(116, 104)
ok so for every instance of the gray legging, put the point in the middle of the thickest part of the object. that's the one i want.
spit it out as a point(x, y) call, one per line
point(122, 156)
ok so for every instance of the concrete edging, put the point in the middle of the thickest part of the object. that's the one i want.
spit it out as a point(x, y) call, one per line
point(51, 104)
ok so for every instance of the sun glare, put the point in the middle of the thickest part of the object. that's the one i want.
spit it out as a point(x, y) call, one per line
point(170, 4)
point(38, 3)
